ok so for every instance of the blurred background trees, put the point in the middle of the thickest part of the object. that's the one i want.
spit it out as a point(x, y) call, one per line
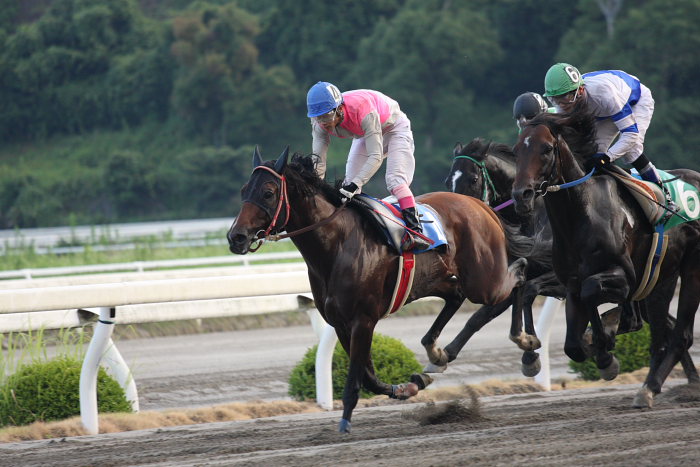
point(124, 110)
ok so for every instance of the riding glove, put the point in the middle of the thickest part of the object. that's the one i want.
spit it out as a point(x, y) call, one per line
point(599, 160)
point(347, 191)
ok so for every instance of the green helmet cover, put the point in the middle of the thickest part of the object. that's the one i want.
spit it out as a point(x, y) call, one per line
point(560, 79)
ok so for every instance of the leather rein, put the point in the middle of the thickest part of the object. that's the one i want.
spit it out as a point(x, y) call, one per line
point(282, 203)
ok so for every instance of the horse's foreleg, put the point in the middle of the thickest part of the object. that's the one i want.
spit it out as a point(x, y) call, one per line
point(357, 344)
point(438, 358)
point(605, 287)
point(576, 322)
point(476, 321)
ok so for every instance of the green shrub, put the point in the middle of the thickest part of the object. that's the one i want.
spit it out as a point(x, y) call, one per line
point(631, 350)
point(46, 391)
point(393, 363)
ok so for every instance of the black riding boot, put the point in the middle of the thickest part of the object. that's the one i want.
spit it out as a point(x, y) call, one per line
point(411, 218)
point(648, 172)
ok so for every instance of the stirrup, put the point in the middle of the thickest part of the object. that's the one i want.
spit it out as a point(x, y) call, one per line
point(414, 242)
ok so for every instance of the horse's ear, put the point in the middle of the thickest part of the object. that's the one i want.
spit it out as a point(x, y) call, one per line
point(282, 161)
point(257, 159)
point(457, 149)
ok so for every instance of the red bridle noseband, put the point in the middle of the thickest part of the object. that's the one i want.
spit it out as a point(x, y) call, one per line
point(283, 200)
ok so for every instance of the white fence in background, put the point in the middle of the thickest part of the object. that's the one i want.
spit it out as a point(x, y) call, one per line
point(219, 292)
point(167, 299)
point(106, 237)
point(141, 266)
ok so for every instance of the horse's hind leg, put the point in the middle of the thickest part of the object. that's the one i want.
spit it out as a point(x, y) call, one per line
point(476, 321)
point(438, 358)
point(676, 347)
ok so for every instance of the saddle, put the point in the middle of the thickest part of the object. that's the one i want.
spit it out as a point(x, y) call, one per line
point(387, 218)
point(648, 195)
point(652, 200)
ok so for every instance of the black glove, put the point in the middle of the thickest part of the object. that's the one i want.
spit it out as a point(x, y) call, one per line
point(599, 160)
point(347, 191)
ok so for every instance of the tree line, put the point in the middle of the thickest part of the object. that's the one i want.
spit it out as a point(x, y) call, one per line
point(118, 110)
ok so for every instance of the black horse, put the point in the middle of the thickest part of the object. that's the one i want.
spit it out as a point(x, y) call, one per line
point(601, 243)
point(486, 170)
point(353, 271)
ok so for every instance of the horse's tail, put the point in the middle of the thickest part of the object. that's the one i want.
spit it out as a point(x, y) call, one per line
point(518, 245)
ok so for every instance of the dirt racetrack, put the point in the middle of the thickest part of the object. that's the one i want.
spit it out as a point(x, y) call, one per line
point(593, 426)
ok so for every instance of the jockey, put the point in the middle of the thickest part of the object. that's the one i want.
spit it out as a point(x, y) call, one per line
point(623, 106)
point(379, 130)
point(526, 106)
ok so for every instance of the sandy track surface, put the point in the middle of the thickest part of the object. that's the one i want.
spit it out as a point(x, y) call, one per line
point(594, 426)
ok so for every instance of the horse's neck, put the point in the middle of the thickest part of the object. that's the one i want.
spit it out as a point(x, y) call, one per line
point(319, 245)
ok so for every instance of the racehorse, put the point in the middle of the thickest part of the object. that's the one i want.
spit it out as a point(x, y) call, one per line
point(352, 270)
point(601, 240)
point(486, 170)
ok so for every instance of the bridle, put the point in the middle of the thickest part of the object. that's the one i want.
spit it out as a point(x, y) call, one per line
point(282, 203)
point(547, 185)
point(485, 176)
point(271, 232)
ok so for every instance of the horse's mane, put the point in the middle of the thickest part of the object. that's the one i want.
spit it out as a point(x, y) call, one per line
point(301, 172)
point(577, 128)
point(479, 148)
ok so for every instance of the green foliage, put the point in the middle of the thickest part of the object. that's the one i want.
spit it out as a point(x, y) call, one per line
point(215, 175)
point(46, 391)
point(631, 350)
point(88, 86)
point(393, 363)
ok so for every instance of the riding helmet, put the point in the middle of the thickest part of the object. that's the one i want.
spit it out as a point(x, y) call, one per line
point(528, 105)
point(322, 98)
point(560, 79)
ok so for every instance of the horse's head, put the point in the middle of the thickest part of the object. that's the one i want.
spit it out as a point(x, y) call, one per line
point(265, 206)
point(550, 150)
point(537, 150)
point(467, 173)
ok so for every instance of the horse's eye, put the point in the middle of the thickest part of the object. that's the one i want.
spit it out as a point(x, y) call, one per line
point(475, 179)
point(548, 148)
point(268, 195)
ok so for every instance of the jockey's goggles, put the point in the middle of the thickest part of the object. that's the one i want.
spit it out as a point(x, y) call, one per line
point(327, 117)
point(564, 99)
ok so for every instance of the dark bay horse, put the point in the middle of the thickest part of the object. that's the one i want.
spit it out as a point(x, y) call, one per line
point(601, 243)
point(353, 272)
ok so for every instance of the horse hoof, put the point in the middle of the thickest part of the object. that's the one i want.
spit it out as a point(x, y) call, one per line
point(644, 399)
point(404, 391)
point(432, 368)
point(344, 426)
point(612, 370)
point(421, 380)
point(526, 342)
point(532, 368)
point(441, 359)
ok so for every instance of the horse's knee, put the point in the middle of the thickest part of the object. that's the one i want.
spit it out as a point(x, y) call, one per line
point(591, 288)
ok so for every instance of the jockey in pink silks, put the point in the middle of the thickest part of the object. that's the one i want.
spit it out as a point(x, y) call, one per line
point(379, 130)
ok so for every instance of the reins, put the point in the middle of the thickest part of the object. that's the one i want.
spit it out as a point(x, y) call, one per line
point(545, 187)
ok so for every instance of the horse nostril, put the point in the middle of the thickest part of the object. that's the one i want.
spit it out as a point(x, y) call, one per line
point(528, 194)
